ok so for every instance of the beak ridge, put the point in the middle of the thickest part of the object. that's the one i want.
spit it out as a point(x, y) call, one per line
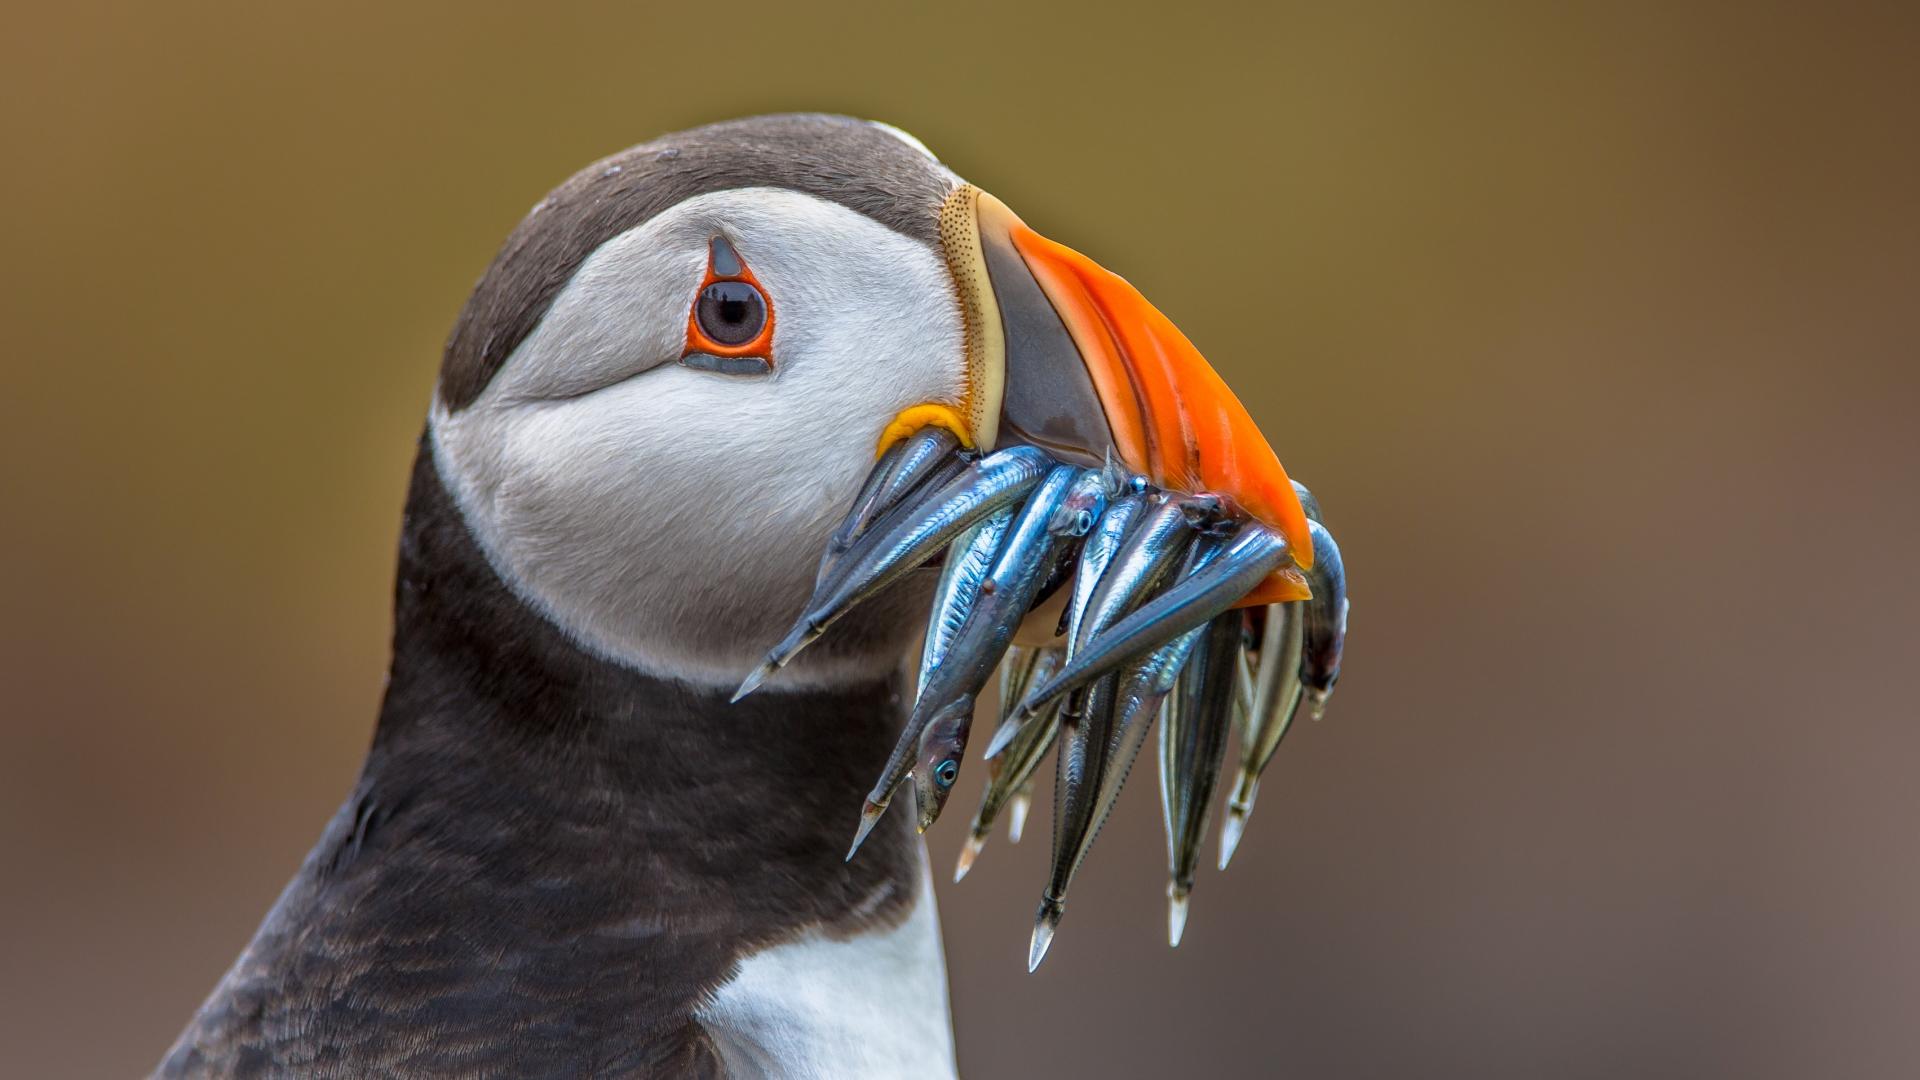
point(1102, 371)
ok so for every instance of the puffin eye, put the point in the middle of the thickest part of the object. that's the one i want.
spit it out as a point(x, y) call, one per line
point(946, 773)
point(731, 312)
point(730, 329)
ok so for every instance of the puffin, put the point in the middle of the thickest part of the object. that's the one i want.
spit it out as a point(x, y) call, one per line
point(570, 850)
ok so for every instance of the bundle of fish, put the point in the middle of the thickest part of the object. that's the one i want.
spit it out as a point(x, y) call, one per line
point(1163, 613)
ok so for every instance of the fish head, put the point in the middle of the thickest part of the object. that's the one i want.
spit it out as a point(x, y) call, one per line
point(1086, 500)
point(942, 746)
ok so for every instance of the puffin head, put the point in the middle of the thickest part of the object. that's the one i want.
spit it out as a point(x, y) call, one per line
point(671, 380)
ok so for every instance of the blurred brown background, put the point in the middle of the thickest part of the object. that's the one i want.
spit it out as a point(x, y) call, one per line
point(1596, 330)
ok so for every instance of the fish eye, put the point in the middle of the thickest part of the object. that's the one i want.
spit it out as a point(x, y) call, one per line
point(1082, 522)
point(731, 312)
point(946, 773)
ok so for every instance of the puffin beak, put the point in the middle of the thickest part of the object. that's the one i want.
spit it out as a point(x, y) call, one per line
point(1066, 355)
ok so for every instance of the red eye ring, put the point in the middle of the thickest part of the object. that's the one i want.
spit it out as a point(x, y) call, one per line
point(731, 315)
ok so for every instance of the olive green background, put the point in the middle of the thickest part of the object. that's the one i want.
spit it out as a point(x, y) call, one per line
point(1595, 328)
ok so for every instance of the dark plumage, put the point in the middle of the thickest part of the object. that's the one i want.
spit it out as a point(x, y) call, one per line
point(548, 858)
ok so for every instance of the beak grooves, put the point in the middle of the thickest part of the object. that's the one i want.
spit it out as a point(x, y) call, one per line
point(980, 314)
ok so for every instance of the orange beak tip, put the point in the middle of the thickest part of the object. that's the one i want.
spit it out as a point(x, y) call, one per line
point(1282, 586)
point(1292, 524)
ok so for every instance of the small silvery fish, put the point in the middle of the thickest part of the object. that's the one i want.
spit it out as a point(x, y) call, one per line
point(929, 455)
point(1254, 553)
point(1001, 601)
point(1128, 603)
point(1096, 551)
point(907, 536)
point(1010, 778)
point(1019, 569)
point(1010, 774)
point(1146, 555)
point(968, 562)
point(1312, 634)
point(1080, 759)
point(1326, 629)
point(1096, 733)
point(1084, 504)
point(1193, 743)
point(1276, 698)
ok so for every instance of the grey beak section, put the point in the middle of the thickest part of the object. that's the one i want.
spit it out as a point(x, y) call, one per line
point(1049, 401)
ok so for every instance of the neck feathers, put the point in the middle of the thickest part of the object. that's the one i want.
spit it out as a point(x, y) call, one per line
point(549, 855)
point(710, 794)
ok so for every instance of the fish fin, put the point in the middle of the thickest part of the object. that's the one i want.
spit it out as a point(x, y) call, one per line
point(753, 680)
point(1239, 808)
point(969, 851)
point(1045, 922)
point(1004, 734)
point(1176, 912)
point(869, 817)
point(1017, 816)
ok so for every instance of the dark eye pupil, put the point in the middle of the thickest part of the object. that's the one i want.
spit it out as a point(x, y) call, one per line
point(731, 312)
point(946, 772)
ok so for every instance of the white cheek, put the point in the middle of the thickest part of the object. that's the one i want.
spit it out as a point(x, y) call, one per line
point(672, 521)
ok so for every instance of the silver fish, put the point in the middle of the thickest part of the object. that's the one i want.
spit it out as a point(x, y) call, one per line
point(1144, 558)
point(907, 536)
point(866, 507)
point(942, 746)
point(1010, 775)
point(1193, 743)
point(1017, 669)
point(968, 560)
point(1276, 698)
point(1022, 801)
point(1010, 787)
point(1254, 552)
point(1004, 595)
point(1020, 569)
point(1243, 693)
point(1138, 561)
point(1326, 630)
point(1083, 505)
point(1078, 764)
point(1312, 634)
point(929, 455)
point(1142, 686)
point(1101, 733)
point(1095, 553)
